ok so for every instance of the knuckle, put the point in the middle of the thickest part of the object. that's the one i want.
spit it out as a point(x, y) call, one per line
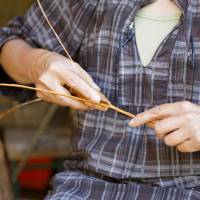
point(155, 110)
point(39, 95)
point(62, 103)
point(42, 97)
point(57, 66)
point(185, 106)
point(180, 148)
point(158, 129)
point(43, 78)
point(70, 103)
point(189, 117)
point(167, 141)
point(53, 65)
point(82, 108)
point(197, 138)
point(89, 92)
point(78, 107)
point(74, 82)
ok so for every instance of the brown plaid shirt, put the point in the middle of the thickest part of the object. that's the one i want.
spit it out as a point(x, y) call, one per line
point(98, 35)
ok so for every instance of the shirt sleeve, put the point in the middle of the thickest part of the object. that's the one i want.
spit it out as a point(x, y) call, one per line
point(69, 18)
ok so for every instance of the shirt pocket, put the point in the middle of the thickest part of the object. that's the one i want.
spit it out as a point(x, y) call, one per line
point(184, 76)
point(140, 86)
point(96, 56)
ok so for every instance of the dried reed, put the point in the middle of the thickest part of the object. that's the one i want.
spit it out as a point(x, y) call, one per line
point(4, 114)
point(102, 104)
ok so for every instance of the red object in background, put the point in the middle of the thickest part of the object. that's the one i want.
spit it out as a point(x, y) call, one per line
point(37, 177)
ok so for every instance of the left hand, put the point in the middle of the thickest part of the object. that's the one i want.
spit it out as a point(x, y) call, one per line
point(178, 124)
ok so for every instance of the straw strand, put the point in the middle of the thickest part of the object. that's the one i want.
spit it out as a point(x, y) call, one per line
point(49, 23)
point(109, 106)
point(2, 115)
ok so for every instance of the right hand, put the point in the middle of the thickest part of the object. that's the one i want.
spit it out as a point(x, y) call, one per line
point(57, 73)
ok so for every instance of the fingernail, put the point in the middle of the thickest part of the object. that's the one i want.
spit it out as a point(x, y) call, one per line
point(96, 98)
point(104, 109)
point(132, 122)
point(96, 87)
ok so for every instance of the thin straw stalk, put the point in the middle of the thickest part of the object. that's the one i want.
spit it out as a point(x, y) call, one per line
point(108, 106)
point(2, 115)
point(55, 33)
point(52, 92)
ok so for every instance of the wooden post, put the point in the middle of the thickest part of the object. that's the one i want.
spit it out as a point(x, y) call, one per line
point(5, 183)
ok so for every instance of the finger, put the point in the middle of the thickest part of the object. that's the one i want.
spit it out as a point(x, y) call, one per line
point(103, 98)
point(95, 106)
point(175, 138)
point(90, 104)
point(187, 146)
point(87, 78)
point(54, 100)
point(60, 100)
point(156, 113)
point(83, 74)
point(77, 83)
point(68, 101)
point(45, 97)
point(167, 125)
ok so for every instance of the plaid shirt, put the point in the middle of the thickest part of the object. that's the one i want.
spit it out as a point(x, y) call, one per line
point(98, 35)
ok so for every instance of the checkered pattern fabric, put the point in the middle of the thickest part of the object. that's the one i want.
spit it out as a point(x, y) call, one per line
point(98, 35)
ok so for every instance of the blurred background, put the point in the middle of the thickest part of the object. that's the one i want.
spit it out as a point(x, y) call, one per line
point(35, 140)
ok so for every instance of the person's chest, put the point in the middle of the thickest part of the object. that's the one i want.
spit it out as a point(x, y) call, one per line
point(109, 53)
point(111, 28)
point(153, 23)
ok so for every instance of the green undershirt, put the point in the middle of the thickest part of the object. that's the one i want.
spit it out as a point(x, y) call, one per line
point(151, 29)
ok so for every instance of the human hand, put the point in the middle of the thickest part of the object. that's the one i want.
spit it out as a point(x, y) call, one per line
point(57, 73)
point(178, 124)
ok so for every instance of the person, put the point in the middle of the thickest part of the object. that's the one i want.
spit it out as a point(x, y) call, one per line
point(153, 74)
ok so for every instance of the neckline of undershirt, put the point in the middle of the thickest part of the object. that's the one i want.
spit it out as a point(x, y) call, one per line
point(146, 15)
